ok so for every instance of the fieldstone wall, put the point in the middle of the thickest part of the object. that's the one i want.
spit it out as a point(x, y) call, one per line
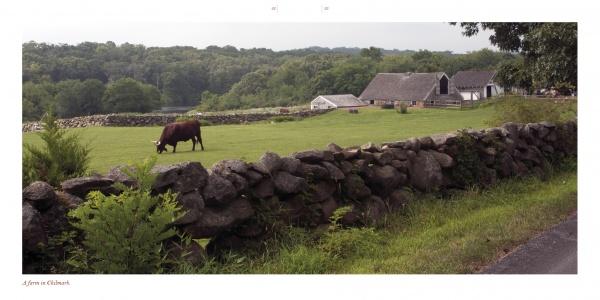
point(137, 120)
point(234, 203)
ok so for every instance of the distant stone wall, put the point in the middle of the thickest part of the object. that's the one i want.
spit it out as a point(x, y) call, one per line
point(304, 189)
point(139, 120)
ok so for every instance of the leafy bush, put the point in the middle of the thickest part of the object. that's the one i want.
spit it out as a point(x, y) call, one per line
point(341, 242)
point(124, 233)
point(403, 108)
point(468, 167)
point(279, 119)
point(61, 158)
point(521, 110)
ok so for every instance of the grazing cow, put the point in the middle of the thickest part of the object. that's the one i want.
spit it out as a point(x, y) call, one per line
point(177, 132)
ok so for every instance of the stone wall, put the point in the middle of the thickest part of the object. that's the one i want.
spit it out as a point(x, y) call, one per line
point(137, 120)
point(228, 202)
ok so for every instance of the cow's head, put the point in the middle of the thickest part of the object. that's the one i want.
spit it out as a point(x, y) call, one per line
point(160, 147)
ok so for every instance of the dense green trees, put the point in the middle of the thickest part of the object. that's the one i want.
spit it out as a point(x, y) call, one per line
point(549, 49)
point(129, 95)
point(69, 77)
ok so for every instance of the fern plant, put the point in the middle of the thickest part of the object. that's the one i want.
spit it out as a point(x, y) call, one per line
point(124, 233)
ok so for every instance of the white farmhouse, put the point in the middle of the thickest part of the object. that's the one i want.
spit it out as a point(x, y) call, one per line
point(476, 85)
point(335, 101)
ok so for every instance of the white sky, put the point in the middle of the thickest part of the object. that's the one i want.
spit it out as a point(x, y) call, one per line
point(436, 36)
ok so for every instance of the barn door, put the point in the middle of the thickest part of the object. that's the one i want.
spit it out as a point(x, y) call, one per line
point(489, 91)
point(443, 85)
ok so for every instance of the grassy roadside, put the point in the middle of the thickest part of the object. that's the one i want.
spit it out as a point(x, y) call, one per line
point(459, 234)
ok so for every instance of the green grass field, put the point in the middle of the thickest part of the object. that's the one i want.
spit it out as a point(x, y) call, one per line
point(112, 146)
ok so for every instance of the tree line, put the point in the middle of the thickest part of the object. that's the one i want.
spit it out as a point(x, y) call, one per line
point(91, 78)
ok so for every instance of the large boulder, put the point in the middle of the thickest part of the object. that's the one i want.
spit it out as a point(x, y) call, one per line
point(67, 200)
point(399, 199)
point(314, 171)
point(290, 165)
point(40, 194)
point(321, 191)
point(269, 163)
point(218, 191)
point(213, 220)
point(32, 230)
point(426, 142)
point(334, 148)
point(287, 183)
point(264, 189)
point(443, 139)
point(385, 179)
point(345, 167)
point(192, 203)
point(445, 160)
point(383, 158)
point(334, 172)
point(239, 182)
point(314, 156)
point(425, 172)
point(397, 153)
point(253, 177)
point(180, 178)
point(81, 186)
point(506, 166)
point(355, 188)
point(370, 147)
point(230, 165)
point(118, 175)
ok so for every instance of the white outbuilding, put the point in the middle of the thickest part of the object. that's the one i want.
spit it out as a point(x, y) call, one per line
point(335, 101)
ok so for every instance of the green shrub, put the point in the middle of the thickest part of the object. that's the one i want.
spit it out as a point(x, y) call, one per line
point(341, 242)
point(61, 158)
point(469, 166)
point(279, 119)
point(522, 110)
point(124, 233)
point(403, 108)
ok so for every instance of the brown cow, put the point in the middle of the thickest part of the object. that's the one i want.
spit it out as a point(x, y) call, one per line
point(177, 132)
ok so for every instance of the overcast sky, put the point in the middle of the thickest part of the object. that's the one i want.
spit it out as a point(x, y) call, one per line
point(276, 36)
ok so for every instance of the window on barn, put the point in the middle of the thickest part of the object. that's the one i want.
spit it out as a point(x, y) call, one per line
point(444, 85)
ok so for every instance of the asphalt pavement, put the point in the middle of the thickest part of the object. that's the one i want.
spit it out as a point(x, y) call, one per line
point(552, 252)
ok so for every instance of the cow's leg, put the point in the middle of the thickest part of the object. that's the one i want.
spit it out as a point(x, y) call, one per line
point(193, 143)
point(199, 137)
point(174, 147)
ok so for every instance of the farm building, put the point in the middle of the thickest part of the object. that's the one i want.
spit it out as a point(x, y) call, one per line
point(414, 89)
point(335, 101)
point(476, 85)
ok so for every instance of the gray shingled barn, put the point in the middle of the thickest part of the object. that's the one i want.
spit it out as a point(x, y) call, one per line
point(414, 89)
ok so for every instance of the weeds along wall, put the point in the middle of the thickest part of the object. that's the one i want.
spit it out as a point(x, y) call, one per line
point(236, 203)
point(137, 120)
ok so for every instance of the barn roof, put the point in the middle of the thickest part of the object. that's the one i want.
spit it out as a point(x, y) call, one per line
point(472, 79)
point(343, 100)
point(400, 86)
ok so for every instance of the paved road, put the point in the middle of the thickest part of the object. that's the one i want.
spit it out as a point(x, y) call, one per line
point(552, 252)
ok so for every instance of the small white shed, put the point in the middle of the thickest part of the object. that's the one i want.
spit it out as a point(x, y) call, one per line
point(335, 101)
